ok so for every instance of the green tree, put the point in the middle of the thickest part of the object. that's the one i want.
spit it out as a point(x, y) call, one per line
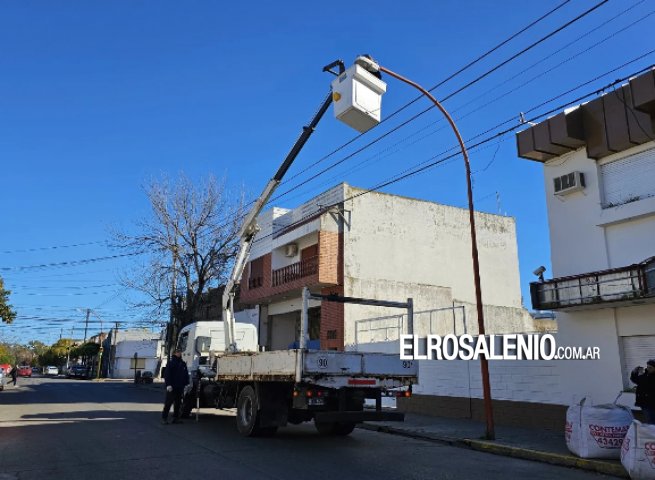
point(38, 348)
point(5, 354)
point(7, 314)
point(57, 353)
point(86, 350)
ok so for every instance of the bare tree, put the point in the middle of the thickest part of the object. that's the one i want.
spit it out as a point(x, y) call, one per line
point(189, 242)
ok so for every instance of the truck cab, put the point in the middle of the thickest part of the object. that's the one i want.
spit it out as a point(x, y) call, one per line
point(198, 339)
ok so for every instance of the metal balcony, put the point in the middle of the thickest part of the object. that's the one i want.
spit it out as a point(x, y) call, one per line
point(295, 271)
point(631, 285)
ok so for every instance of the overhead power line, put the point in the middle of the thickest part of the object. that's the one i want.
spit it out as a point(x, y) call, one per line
point(55, 247)
point(437, 160)
point(70, 263)
point(459, 90)
point(413, 118)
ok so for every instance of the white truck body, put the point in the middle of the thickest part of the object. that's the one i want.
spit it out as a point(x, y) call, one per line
point(325, 368)
point(274, 388)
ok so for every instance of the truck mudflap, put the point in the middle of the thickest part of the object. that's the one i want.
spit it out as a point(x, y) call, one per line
point(359, 416)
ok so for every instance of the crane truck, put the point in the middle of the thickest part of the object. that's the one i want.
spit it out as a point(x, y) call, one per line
point(271, 389)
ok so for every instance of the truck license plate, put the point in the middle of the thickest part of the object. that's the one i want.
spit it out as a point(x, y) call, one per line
point(315, 401)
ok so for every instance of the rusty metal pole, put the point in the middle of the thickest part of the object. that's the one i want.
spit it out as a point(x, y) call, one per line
point(484, 363)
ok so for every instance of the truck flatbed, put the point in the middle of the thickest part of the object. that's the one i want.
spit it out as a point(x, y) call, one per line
point(321, 367)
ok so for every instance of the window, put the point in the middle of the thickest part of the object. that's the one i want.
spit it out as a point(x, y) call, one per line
point(183, 340)
point(629, 179)
point(256, 273)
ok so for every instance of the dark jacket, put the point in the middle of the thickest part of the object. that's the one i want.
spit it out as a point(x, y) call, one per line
point(645, 396)
point(177, 375)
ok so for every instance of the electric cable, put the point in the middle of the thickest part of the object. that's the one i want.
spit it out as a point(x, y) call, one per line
point(436, 160)
point(36, 249)
point(71, 263)
point(469, 84)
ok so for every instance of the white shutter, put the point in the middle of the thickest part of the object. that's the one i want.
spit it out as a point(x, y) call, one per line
point(637, 351)
point(629, 178)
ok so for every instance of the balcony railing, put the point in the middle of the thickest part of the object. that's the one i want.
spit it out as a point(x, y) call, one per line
point(292, 272)
point(623, 284)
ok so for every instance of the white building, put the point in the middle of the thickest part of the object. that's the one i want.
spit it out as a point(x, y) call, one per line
point(147, 346)
point(378, 246)
point(599, 173)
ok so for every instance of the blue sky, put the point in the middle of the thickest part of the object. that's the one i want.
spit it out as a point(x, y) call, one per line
point(98, 97)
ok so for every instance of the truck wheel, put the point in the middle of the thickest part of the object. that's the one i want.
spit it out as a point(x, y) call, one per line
point(334, 428)
point(247, 412)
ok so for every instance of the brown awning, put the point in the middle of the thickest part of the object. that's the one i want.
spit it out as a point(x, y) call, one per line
point(614, 122)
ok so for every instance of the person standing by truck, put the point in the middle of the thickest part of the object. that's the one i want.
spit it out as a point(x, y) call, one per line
point(14, 374)
point(175, 378)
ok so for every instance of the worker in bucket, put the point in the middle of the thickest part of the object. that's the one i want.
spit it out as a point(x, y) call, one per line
point(176, 378)
point(645, 395)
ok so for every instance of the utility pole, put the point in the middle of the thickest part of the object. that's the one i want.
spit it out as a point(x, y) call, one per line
point(112, 353)
point(172, 320)
point(68, 352)
point(86, 324)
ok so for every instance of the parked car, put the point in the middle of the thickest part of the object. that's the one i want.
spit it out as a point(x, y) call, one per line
point(24, 371)
point(79, 371)
point(50, 370)
point(36, 370)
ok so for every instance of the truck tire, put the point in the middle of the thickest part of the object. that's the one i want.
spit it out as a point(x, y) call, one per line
point(334, 428)
point(248, 413)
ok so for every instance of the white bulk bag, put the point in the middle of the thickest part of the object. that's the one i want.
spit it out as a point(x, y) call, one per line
point(638, 451)
point(597, 431)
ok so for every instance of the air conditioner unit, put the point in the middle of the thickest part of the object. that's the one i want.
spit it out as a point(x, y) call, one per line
point(290, 250)
point(569, 183)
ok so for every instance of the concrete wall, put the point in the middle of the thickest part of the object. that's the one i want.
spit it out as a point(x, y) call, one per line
point(150, 350)
point(412, 241)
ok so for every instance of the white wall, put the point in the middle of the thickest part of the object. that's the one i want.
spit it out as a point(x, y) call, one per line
point(150, 350)
point(580, 227)
point(407, 240)
point(279, 258)
point(123, 369)
point(277, 218)
point(521, 381)
point(586, 237)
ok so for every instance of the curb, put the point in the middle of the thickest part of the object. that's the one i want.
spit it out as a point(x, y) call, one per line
point(598, 466)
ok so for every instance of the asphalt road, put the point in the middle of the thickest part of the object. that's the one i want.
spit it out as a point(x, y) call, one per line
point(53, 428)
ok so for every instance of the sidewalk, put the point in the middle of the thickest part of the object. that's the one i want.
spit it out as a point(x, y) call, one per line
point(527, 443)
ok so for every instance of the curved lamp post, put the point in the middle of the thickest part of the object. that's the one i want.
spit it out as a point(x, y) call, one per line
point(373, 67)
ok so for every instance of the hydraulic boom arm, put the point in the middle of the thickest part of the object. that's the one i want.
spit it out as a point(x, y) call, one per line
point(250, 227)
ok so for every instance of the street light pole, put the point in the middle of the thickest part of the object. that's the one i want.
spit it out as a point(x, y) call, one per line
point(484, 364)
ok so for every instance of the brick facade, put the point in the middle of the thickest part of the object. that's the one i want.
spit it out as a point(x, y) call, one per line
point(330, 258)
point(332, 321)
point(328, 279)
